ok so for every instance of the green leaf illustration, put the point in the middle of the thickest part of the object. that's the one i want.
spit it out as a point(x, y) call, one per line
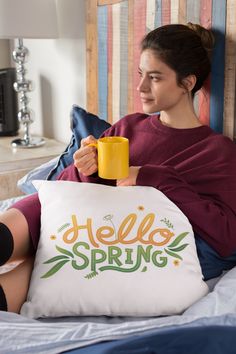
point(55, 269)
point(178, 239)
point(64, 251)
point(168, 223)
point(54, 259)
point(178, 249)
point(63, 227)
point(144, 269)
point(91, 275)
point(173, 254)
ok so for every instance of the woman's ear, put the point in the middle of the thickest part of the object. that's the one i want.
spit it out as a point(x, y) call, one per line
point(189, 82)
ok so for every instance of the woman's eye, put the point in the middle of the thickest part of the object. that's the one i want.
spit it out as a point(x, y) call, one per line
point(154, 78)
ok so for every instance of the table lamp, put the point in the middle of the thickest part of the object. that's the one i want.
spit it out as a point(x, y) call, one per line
point(21, 19)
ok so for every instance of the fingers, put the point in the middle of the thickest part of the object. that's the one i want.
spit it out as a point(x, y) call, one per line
point(122, 182)
point(85, 159)
point(88, 140)
point(131, 179)
point(84, 153)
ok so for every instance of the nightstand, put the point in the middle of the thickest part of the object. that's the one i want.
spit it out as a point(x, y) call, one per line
point(15, 163)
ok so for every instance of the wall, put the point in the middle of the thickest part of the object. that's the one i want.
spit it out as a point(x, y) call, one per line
point(57, 68)
point(5, 54)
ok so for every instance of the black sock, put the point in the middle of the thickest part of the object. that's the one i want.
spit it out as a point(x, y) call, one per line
point(6, 244)
point(3, 301)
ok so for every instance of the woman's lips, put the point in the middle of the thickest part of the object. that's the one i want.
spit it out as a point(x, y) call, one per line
point(146, 100)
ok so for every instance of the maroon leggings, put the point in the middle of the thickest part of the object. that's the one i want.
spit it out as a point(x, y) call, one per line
point(31, 208)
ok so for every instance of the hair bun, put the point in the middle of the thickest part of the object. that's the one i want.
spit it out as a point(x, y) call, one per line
point(206, 36)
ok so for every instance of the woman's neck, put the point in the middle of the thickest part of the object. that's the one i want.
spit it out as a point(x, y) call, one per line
point(181, 116)
point(179, 122)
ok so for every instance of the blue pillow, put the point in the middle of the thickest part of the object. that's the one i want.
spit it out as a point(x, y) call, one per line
point(82, 124)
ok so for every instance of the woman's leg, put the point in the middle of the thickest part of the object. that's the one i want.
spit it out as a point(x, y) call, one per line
point(15, 283)
point(17, 226)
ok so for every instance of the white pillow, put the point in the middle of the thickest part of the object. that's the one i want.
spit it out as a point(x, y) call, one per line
point(115, 251)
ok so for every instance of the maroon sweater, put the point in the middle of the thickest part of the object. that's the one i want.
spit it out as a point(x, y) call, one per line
point(195, 168)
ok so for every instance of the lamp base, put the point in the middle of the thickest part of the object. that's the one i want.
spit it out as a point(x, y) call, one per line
point(32, 143)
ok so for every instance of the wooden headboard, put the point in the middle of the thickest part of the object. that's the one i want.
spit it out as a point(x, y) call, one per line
point(114, 31)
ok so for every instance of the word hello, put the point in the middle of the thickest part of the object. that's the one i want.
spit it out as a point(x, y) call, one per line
point(107, 235)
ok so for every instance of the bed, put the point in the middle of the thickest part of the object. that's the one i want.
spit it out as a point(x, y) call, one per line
point(209, 325)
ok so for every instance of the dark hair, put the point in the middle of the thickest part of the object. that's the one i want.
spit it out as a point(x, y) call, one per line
point(184, 48)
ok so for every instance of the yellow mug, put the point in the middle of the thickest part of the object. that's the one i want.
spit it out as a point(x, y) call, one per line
point(113, 157)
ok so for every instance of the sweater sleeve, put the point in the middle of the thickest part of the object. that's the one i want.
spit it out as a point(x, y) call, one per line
point(71, 173)
point(214, 219)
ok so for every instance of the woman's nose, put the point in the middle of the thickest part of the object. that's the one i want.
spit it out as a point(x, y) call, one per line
point(143, 85)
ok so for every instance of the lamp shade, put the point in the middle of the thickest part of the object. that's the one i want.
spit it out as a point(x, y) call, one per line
point(28, 19)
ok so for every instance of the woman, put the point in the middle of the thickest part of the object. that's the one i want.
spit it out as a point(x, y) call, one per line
point(171, 151)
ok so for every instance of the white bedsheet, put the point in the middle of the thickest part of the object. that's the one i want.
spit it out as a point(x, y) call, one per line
point(22, 335)
point(5, 204)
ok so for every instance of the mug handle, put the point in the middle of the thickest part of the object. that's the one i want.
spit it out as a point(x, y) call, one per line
point(93, 144)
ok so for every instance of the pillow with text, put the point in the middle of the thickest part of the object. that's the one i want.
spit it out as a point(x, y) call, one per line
point(114, 251)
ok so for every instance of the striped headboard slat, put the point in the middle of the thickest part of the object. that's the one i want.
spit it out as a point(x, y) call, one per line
point(92, 56)
point(204, 94)
point(230, 72)
point(218, 65)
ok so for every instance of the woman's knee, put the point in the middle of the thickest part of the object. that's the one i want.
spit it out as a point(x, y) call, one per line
point(15, 242)
point(6, 244)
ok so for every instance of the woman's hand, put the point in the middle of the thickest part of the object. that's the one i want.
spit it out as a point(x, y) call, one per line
point(131, 179)
point(85, 159)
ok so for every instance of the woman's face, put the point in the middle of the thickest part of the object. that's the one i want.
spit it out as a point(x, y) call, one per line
point(158, 86)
